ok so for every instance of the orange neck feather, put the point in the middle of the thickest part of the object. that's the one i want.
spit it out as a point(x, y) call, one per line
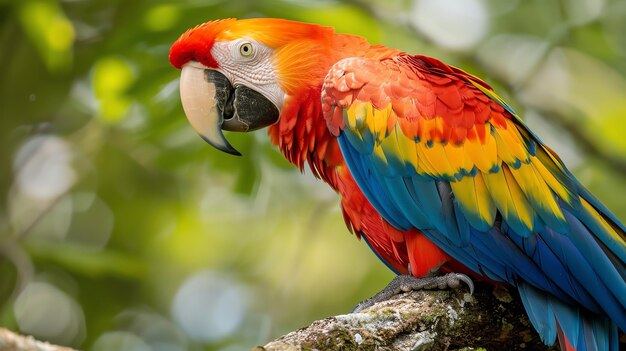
point(301, 133)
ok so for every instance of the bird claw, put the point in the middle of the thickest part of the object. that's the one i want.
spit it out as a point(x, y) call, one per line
point(406, 283)
point(454, 280)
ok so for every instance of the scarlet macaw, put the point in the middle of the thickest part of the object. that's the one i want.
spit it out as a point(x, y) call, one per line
point(435, 171)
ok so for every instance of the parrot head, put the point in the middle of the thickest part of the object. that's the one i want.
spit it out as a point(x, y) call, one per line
point(237, 74)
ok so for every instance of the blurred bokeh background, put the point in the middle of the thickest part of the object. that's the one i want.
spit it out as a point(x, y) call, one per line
point(121, 230)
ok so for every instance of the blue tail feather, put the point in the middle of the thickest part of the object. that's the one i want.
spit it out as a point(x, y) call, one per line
point(583, 330)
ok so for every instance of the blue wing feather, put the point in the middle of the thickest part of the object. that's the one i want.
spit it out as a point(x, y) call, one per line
point(407, 205)
point(371, 188)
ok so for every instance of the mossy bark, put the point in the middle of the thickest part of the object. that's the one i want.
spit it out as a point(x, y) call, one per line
point(491, 319)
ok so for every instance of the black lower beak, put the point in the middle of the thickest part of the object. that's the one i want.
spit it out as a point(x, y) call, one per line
point(212, 103)
point(243, 109)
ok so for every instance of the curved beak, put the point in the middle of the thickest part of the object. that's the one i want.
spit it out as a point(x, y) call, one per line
point(211, 104)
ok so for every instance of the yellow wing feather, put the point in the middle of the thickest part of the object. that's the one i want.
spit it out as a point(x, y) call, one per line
point(491, 164)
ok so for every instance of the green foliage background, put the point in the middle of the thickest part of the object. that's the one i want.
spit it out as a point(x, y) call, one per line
point(120, 229)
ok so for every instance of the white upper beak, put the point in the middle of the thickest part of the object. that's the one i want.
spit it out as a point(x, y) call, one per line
point(197, 95)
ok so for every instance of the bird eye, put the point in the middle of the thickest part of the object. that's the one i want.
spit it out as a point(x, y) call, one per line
point(245, 49)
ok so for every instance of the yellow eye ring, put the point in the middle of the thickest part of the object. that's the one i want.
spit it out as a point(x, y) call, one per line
point(246, 49)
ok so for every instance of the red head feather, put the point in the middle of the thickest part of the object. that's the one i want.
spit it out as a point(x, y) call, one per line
point(196, 44)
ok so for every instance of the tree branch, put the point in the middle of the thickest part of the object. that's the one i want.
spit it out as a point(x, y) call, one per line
point(492, 319)
point(10, 341)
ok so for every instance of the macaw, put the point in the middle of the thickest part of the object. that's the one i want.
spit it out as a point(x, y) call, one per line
point(435, 171)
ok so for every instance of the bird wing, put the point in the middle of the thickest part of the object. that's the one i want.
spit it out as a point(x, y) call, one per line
point(434, 148)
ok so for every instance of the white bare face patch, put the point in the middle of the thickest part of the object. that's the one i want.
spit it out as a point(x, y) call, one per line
point(247, 62)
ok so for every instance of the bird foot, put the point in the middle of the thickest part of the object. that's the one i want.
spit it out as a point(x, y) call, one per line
point(406, 283)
